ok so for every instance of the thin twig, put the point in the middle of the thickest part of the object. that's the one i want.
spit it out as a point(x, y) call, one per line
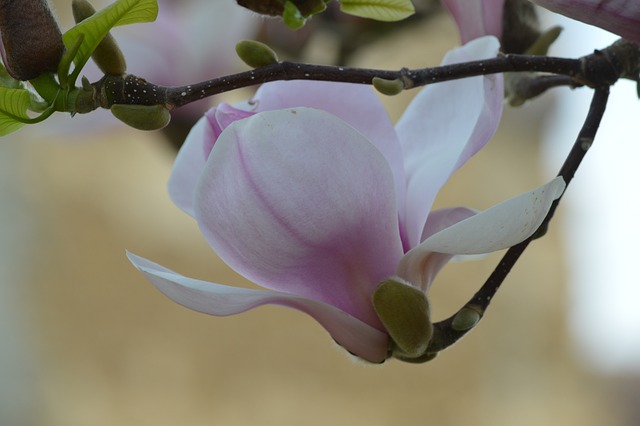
point(444, 333)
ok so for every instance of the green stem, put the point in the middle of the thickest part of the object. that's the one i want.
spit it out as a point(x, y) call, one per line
point(46, 86)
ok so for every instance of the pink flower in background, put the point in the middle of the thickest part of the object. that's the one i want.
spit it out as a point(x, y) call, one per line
point(309, 191)
point(190, 41)
point(621, 17)
point(476, 18)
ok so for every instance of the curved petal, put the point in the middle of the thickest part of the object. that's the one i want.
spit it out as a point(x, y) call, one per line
point(356, 104)
point(476, 18)
point(444, 218)
point(621, 17)
point(420, 266)
point(215, 299)
point(444, 126)
point(220, 118)
point(503, 225)
point(296, 200)
point(189, 165)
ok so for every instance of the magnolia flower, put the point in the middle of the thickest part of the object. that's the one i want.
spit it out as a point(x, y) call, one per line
point(476, 18)
point(310, 192)
point(621, 17)
point(480, 17)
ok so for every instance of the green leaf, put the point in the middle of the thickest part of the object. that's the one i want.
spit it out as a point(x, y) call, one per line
point(13, 107)
point(7, 81)
point(380, 10)
point(96, 27)
point(292, 16)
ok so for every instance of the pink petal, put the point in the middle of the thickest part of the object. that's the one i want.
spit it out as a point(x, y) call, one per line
point(220, 118)
point(420, 266)
point(296, 200)
point(476, 18)
point(503, 225)
point(444, 126)
point(189, 165)
point(215, 299)
point(356, 104)
point(195, 152)
point(621, 17)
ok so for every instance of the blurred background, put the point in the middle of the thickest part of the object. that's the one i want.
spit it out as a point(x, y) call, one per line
point(86, 340)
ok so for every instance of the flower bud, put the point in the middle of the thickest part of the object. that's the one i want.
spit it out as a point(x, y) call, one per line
point(31, 40)
point(466, 319)
point(256, 54)
point(276, 7)
point(388, 87)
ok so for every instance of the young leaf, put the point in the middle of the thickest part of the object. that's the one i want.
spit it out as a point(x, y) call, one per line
point(13, 107)
point(7, 81)
point(96, 27)
point(380, 10)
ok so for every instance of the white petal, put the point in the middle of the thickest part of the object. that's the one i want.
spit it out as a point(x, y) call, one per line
point(503, 225)
point(445, 125)
point(215, 299)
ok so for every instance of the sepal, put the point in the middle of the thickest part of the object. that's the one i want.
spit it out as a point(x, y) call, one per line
point(405, 313)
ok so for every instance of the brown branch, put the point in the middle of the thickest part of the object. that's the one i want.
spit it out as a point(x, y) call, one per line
point(445, 333)
point(602, 68)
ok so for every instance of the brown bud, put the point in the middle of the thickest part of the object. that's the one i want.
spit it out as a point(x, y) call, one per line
point(276, 7)
point(31, 38)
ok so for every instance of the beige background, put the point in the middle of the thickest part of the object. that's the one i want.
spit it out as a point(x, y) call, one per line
point(88, 341)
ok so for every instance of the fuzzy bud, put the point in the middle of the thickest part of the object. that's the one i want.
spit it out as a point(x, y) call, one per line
point(31, 39)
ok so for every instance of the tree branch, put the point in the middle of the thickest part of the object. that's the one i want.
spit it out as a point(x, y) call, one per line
point(602, 68)
point(446, 333)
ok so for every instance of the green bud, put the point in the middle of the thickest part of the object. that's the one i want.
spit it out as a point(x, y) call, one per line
point(404, 311)
point(142, 117)
point(256, 54)
point(542, 44)
point(107, 55)
point(31, 38)
point(388, 87)
point(466, 319)
point(520, 26)
point(292, 16)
